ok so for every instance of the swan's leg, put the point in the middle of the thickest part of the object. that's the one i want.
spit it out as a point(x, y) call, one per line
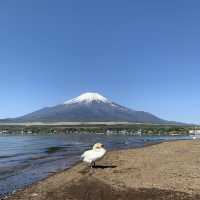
point(94, 164)
point(91, 164)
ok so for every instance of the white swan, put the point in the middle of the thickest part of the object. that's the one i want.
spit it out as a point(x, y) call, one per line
point(96, 153)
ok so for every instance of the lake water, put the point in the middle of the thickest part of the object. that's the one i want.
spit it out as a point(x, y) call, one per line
point(27, 159)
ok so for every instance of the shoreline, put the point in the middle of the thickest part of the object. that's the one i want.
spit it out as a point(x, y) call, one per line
point(70, 167)
point(157, 171)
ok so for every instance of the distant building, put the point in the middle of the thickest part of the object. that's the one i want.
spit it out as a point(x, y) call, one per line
point(197, 131)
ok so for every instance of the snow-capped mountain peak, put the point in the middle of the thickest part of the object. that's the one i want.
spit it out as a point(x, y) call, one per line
point(88, 97)
point(88, 107)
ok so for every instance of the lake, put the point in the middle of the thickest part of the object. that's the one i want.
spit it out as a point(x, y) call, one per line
point(27, 159)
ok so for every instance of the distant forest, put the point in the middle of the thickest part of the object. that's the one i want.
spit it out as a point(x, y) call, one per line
point(137, 129)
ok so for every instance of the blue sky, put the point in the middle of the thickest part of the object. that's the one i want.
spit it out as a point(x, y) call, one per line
point(142, 54)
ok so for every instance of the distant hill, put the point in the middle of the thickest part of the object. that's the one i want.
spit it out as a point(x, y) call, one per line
point(88, 107)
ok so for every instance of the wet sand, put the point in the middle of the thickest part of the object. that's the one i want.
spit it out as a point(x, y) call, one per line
point(167, 171)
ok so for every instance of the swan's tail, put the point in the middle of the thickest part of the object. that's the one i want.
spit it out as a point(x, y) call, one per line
point(83, 155)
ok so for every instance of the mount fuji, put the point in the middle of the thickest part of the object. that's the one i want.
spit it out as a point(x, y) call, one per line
point(89, 107)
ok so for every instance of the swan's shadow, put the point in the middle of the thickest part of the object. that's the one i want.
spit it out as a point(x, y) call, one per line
point(88, 169)
point(104, 166)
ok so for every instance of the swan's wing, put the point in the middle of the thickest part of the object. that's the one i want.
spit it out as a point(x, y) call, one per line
point(85, 153)
point(92, 155)
point(89, 154)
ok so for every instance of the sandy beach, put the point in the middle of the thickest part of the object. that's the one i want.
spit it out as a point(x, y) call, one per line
point(169, 170)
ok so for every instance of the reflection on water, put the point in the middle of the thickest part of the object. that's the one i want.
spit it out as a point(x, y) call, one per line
point(26, 159)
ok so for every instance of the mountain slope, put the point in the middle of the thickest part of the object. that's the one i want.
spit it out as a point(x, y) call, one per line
point(89, 107)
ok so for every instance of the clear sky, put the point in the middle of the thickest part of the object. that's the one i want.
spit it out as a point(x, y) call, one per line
point(142, 54)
